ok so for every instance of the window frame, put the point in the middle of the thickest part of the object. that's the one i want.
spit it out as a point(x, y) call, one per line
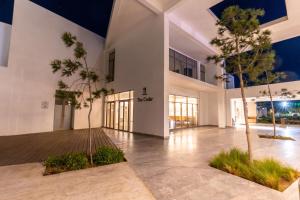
point(111, 66)
point(182, 64)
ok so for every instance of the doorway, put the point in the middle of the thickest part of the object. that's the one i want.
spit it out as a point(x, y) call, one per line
point(183, 112)
point(63, 115)
point(119, 111)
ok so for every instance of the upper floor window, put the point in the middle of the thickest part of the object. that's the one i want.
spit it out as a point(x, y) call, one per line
point(6, 17)
point(5, 33)
point(202, 73)
point(111, 67)
point(182, 64)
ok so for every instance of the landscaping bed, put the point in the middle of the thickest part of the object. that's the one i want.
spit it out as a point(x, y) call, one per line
point(277, 137)
point(75, 161)
point(267, 172)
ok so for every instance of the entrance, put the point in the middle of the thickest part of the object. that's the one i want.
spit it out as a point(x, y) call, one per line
point(182, 112)
point(118, 111)
point(63, 115)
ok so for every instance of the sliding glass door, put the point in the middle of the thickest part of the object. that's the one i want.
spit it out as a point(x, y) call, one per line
point(119, 111)
point(183, 112)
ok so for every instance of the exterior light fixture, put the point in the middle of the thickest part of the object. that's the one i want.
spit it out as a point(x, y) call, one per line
point(284, 104)
point(145, 96)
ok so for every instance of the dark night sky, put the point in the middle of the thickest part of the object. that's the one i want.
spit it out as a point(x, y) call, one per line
point(95, 14)
point(287, 51)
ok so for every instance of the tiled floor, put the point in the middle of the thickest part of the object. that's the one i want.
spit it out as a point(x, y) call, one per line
point(37, 147)
point(111, 182)
point(177, 168)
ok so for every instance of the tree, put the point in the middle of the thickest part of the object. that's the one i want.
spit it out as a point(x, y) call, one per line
point(83, 90)
point(245, 49)
point(268, 78)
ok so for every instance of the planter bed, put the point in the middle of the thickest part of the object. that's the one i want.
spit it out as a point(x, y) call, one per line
point(76, 161)
point(267, 172)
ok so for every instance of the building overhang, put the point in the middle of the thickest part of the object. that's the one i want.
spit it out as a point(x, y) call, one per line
point(182, 81)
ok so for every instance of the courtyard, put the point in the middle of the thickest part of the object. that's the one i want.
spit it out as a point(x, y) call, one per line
point(178, 168)
point(174, 168)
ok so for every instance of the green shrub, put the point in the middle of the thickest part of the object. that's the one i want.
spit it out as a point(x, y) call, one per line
point(54, 161)
point(66, 162)
point(108, 155)
point(75, 161)
point(267, 172)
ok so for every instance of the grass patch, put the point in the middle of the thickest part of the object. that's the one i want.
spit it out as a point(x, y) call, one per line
point(76, 161)
point(267, 172)
point(277, 137)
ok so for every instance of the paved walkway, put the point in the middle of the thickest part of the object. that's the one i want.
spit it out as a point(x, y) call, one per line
point(37, 147)
point(178, 168)
point(111, 182)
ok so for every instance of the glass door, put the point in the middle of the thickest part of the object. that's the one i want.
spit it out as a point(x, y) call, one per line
point(110, 111)
point(118, 112)
point(124, 115)
point(182, 112)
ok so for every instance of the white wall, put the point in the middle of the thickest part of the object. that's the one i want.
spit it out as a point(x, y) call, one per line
point(140, 62)
point(28, 80)
point(5, 33)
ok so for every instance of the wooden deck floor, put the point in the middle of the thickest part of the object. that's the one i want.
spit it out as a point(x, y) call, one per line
point(37, 147)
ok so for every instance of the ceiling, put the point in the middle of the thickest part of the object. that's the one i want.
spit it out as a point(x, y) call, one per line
point(198, 19)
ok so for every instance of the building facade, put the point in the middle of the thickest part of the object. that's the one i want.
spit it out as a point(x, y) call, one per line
point(153, 57)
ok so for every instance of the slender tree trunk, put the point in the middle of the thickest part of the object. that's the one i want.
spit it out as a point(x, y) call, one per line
point(90, 111)
point(90, 133)
point(273, 111)
point(62, 116)
point(272, 105)
point(249, 143)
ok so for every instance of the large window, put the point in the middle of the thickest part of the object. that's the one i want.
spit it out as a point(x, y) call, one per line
point(182, 64)
point(111, 67)
point(182, 112)
point(5, 34)
point(118, 112)
point(202, 72)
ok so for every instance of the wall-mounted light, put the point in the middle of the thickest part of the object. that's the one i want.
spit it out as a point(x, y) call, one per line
point(145, 96)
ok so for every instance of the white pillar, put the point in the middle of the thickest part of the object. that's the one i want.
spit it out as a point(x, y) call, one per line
point(166, 73)
point(221, 109)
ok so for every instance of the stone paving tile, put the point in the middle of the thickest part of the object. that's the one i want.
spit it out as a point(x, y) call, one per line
point(111, 182)
point(177, 168)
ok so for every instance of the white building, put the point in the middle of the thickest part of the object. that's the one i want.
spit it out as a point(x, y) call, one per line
point(154, 55)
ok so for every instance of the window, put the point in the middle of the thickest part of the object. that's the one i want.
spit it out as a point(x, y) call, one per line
point(6, 16)
point(111, 67)
point(118, 112)
point(172, 60)
point(182, 64)
point(202, 72)
point(183, 112)
point(5, 34)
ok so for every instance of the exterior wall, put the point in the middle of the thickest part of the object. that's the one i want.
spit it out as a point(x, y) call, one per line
point(28, 81)
point(140, 62)
point(253, 93)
